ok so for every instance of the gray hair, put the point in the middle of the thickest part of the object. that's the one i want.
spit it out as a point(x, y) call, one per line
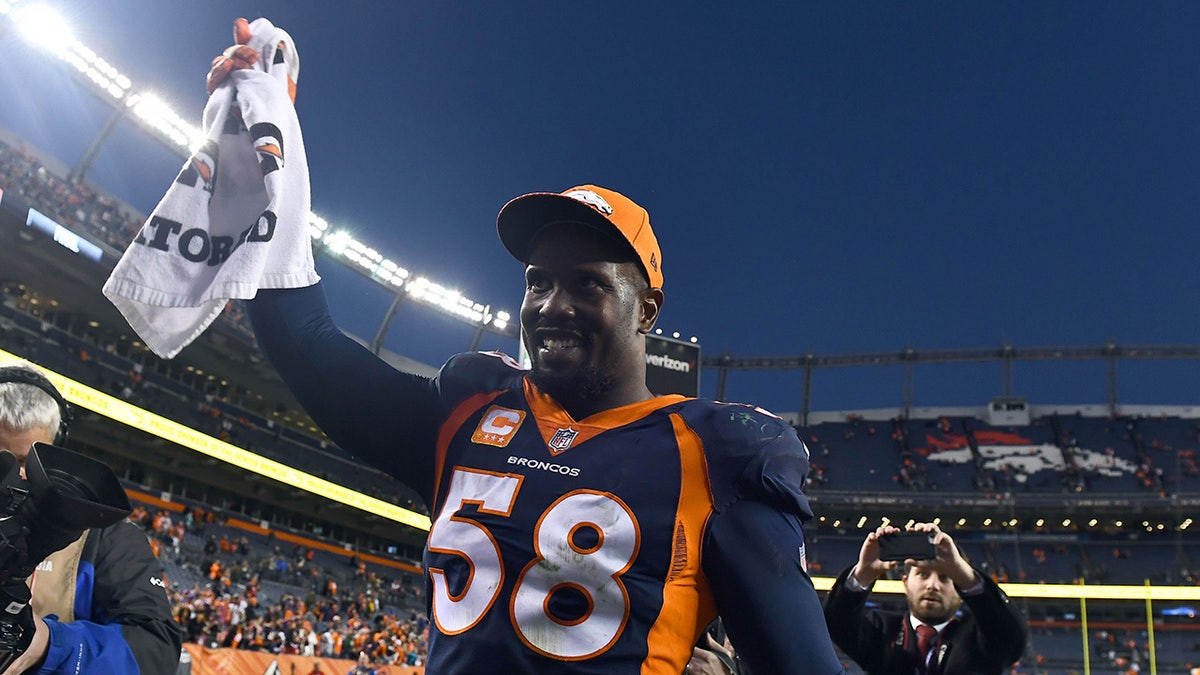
point(24, 407)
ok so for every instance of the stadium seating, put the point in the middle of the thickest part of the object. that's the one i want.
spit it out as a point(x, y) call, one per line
point(108, 371)
point(855, 455)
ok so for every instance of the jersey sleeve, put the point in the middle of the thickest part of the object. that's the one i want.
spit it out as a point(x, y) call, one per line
point(752, 558)
point(371, 410)
point(754, 545)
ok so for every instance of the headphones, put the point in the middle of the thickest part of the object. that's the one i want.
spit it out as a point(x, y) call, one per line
point(36, 379)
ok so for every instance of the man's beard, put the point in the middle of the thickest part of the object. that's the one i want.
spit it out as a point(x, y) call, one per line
point(943, 613)
point(585, 384)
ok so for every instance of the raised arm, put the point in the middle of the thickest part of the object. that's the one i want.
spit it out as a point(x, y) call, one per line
point(371, 410)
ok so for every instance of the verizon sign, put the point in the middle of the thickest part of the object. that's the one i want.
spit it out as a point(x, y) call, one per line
point(672, 366)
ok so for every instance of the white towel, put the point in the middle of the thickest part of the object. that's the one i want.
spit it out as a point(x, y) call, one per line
point(236, 218)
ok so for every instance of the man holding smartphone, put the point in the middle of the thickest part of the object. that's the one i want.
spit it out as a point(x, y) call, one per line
point(933, 637)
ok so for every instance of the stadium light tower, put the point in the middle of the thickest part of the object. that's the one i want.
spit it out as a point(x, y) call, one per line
point(42, 27)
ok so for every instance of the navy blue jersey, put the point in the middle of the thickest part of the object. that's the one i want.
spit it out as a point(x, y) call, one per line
point(581, 540)
point(602, 545)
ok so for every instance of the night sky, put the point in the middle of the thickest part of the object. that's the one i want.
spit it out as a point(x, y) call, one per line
point(827, 178)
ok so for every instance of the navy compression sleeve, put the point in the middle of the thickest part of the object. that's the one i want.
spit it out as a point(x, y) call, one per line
point(766, 599)
point(371, 410)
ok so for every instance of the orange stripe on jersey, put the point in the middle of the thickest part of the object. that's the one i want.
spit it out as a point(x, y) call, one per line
point(449, 428)
point(551, 417)
point(688, 604)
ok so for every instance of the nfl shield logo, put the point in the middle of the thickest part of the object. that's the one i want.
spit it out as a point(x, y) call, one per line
point(562, 439)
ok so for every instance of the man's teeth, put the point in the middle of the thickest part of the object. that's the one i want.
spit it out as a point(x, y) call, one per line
point(551, 343)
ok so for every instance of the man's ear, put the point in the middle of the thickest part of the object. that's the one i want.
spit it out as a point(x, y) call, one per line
point(650, 305)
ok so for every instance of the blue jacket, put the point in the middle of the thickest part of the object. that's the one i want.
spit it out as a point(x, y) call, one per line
point(123, 622)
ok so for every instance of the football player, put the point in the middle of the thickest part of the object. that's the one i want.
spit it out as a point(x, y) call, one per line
point(581, 524)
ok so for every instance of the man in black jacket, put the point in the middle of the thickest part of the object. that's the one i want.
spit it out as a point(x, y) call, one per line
point(933, 637)
point(99, 605)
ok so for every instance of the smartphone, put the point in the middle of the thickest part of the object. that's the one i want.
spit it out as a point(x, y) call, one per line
point(717, 630)
point(905, 545)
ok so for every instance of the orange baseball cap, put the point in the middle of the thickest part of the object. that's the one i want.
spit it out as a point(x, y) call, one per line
point(522, 218)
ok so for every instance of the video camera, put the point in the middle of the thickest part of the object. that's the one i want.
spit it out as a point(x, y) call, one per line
point(62, 494)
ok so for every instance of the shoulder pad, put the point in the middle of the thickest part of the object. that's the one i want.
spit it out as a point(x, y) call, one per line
point(473, 372)
point(751, 454)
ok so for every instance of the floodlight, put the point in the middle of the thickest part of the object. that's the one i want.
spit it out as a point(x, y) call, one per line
point(154, 111)
point(41, 26)
point(317, 225)
point(337, 241)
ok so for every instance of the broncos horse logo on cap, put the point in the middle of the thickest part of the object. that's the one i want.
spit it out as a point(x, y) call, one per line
point(591, 199)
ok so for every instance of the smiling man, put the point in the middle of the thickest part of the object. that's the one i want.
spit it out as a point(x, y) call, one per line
point(593, 292)
point(932, 637)
point(580, 523)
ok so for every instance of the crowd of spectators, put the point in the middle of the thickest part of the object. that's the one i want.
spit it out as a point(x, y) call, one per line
point(75, 204)
point(100, 363)
point(310, 609)
point(1122, 649)
point(335, 628)
point(82, 208)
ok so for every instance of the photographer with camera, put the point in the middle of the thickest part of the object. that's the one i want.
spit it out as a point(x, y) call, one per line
point(933, 637)
point(99, 605)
